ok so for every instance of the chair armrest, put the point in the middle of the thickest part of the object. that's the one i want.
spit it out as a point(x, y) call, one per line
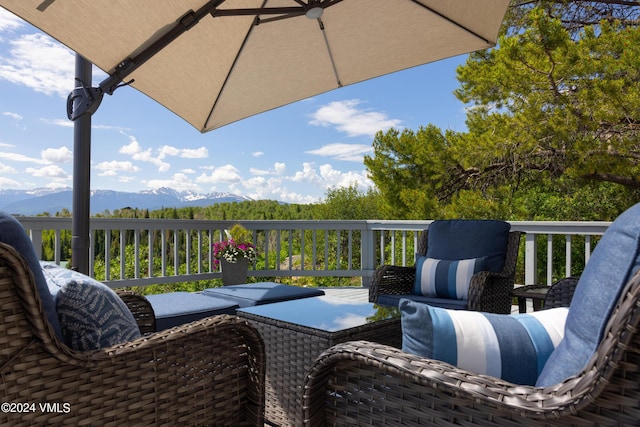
point(490, 292)
point(392, 280)
point(560, 293)
point(390, 386)
point(141, 309)
point(185, 373)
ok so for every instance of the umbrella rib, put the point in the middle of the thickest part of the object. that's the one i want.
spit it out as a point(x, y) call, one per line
point(226, 79)
point(457, 24)
point(333, 62)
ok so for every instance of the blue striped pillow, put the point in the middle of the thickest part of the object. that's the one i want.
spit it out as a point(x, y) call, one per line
point(446, 278)
point(512, 347)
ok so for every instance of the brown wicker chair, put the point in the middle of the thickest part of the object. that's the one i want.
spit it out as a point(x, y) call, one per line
point(488, 292)
point(362, 383)
point(209, 372)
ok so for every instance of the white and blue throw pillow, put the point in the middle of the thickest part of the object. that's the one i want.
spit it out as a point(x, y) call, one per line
point(446, 278)
point(91, 315)
point(512, 347)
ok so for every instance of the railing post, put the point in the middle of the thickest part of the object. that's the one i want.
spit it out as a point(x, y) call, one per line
point(368, 251)
point(36, 241)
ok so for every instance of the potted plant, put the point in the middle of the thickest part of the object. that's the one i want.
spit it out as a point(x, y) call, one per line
point(234, 255)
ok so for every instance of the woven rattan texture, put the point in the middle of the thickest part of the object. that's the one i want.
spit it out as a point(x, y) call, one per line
point(560, 293)
point(489, 292)
point(209, 372)
point(291, 349)
point(362, 383)
point(141, 309)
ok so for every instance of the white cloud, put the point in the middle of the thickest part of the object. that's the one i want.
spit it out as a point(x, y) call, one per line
point(40, 63)
point(346, 152)
point(15, 157)
point(185, 153)
point(49, 172)
point(167, 150)
point(9, 21)
point(12, 115)
point(114, 168)
point(6, 168)
point(307, 174)
point(257, 153)
point(197, 153)
point(327, 177)
point(258, 172)
point(347, 117)
point(179, 182)
point(273, 188)
point(335, 178)
point(126, 178)
point(137, 153)
point(58, 122)
point(56, 184)
point(226, 173)
point(47, 156)
point(278, 169)
point(8, 183)
point(107, 127)
point(57, 155)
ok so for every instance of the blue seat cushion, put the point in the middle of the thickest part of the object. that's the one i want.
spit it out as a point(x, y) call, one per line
point(465, 239)
point(13, 234)
point(394, 301)
point(613, 262)
point(261, 293)
point(177, 308)
point(512, 347)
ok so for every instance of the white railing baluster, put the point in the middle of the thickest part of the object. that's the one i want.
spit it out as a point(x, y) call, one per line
point(370, 238)
point(122, 256)
point(136, 252)
point(549, 259)
point(107, 254)
point(150, 254)
point(531, 259)
point(163, 252)
point(567, 255)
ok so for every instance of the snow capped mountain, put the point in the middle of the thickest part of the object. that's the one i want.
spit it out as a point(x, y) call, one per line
point(37, 201)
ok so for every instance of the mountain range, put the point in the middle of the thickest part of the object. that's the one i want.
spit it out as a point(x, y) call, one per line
point(41, 200)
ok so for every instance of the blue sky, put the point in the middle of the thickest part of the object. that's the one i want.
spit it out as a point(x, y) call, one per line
point(291, 154)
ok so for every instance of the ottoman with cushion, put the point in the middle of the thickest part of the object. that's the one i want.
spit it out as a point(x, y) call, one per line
point(177, 308)
point(251, 294)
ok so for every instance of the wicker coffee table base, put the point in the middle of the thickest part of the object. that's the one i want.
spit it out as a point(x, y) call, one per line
point(291, 349)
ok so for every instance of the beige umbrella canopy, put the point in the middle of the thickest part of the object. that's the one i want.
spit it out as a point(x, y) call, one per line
point(248, 56)
point(218, 61)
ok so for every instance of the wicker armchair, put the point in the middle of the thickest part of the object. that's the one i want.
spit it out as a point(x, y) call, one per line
point(209, 372)
point(362, 383)
point(489, 292)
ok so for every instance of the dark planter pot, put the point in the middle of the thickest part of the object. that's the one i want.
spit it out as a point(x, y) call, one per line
point(234, 273)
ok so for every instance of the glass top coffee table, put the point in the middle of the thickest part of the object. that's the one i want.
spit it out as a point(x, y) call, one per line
point(296, 332)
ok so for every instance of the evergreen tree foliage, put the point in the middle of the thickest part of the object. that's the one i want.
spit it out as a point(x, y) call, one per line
point(553, 124)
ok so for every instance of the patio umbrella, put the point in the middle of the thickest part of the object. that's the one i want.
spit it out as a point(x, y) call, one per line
point(215, 62)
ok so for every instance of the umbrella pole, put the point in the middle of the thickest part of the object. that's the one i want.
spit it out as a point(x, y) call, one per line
point(81, 176)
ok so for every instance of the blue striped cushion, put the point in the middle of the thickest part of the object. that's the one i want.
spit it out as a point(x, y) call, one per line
point(512, 347)
point(446, 278)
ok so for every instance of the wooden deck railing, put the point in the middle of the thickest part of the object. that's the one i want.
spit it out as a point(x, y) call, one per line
point(139, 252)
